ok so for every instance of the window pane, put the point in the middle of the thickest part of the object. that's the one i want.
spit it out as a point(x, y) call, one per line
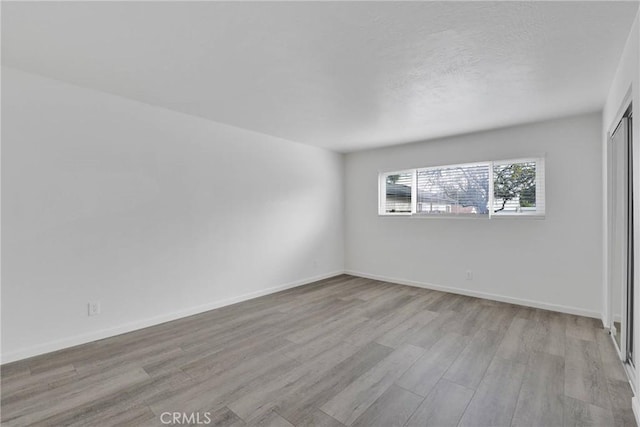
point(514, 188)
point(398, 193)
point(453, 190)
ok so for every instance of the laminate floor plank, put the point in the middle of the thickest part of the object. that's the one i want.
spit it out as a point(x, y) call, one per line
point(43, 407)
point(212, 366)
point(212, 391)
point(463, 303)
point(610, 359)
point(389, 305)
point(549, 336)
point(376, 328)
point(271, 419)
point(13, 371)
point(469, 320)
point(620, 405)
point(392, 409)
point(335, 323)
point(585, 378)
point(470, 366)
point(531, 313)
point(102, 413)
point(254, 403)
point(427, 371)
point(519, 340)
point(399, 334)
point(583, 328)
point(578, 413)
point(315, 394)
point(317, 418)
point(444, 302)
point(23, 387)
point(225, 417)
point(434, 331)
point(495, 400)
point(499, 317)
point(443, 407)
point(356, 398)
point(342, 351)
point(216, 358)
point(540, 401)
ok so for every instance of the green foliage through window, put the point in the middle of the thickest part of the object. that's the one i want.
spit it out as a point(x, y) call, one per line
point(514, 182)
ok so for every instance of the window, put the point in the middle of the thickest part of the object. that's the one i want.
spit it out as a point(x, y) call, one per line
point(453, 190)
point(397, 194)
point(518, 187)
point(510, 188)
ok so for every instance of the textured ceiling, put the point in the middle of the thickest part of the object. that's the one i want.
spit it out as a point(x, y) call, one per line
point(340, 75)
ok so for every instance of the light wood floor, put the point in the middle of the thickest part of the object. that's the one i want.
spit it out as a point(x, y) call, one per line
point(343, 351)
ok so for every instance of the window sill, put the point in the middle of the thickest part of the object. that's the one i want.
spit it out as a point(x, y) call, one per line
point(449, 216)
point(518, 216)
point(478, 217)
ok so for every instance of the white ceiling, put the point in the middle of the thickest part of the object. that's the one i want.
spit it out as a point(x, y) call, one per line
point(340, 75)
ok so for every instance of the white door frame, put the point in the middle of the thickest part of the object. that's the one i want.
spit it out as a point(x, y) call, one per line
point(608, 303)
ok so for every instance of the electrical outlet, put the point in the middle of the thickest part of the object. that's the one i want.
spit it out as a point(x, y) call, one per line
point(94, 308)
point(469, 275)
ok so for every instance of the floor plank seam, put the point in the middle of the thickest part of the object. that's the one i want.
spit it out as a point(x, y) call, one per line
point(283, 417)
point(329, 415)
point(466, 407)
point(520, 389)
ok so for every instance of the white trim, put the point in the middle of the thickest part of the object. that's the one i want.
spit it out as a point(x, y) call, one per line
point(486, 163)
point(635, 405)
point(622, 110)
point(451, 216)
point(414, 192)
point(518, 301)
point(621, 126)
point(541, 156)
point(491, 188)
point(606, 244)
point(533, 215)
point(540, 211)
point(382, 193)
point(134, 326)
point(612, 332)
point(145, 323)
point(631, 376)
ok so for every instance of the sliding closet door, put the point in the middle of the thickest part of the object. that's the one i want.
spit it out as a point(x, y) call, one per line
point(630, 243)
point(618, 234)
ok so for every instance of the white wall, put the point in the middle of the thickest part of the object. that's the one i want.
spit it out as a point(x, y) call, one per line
point(153, 213)
point(553, 263)
point(625, 88)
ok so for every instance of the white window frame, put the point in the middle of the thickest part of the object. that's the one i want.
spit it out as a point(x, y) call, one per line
point(539, 213)
point(540, 189)
point(382, 193)
point(452, 215)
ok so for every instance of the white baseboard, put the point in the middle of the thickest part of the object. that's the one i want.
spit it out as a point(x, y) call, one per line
point(518, 301)
point(635, 405)
point(605, 321)
point(145, 323)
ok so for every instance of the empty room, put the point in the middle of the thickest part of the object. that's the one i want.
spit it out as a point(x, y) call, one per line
point(320, 213)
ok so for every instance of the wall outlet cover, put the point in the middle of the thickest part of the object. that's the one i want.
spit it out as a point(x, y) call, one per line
point(94, 308)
